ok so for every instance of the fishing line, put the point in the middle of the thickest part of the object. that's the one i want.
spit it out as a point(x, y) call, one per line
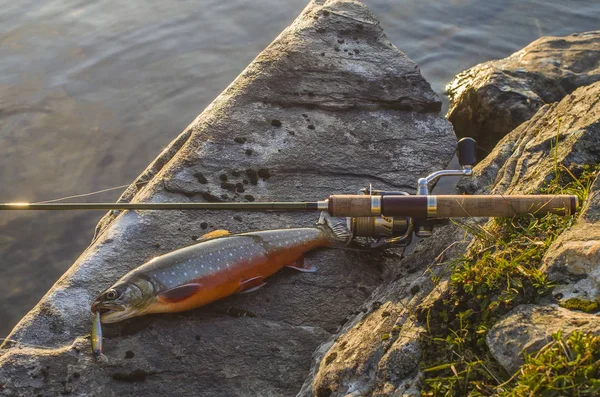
point(88, 194)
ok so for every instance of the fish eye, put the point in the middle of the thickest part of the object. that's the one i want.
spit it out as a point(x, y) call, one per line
point(111, 294)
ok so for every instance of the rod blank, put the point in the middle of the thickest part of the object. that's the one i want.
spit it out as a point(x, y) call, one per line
point(259, 206)
point(421, 207)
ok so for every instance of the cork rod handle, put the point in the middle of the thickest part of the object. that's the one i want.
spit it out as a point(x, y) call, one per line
point(504, 206)
point(450, 206)
point(350, 205)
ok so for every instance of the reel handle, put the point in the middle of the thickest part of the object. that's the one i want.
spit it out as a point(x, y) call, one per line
point(466, 152)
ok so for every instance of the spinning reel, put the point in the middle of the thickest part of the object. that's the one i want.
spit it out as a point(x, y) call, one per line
point(386, 232)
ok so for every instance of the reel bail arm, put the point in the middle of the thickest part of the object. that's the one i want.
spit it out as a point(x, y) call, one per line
point(467, 159)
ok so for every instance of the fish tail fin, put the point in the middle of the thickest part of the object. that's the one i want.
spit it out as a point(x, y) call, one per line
point(337, 229)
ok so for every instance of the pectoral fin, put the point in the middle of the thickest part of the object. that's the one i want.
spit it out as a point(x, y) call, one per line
point(214, 234)
point(252, 284)
point(301, 266)
point(180, 293)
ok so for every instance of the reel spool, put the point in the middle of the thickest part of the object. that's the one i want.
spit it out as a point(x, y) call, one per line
point(382, 231)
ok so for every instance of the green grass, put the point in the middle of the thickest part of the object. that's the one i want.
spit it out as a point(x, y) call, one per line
point(565, 367)
point(500, 271)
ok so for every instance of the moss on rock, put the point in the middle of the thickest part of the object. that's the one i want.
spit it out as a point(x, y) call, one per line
point(583, 305)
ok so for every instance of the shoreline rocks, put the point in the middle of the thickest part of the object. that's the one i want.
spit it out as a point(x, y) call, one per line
point(559, 137)
point(330, 106)
point(380, 351)
point(573, 261)
point(491, 99)
point(527, 157)
point(528, 328)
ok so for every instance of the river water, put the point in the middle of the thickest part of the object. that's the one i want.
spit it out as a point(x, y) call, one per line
point(91, 91)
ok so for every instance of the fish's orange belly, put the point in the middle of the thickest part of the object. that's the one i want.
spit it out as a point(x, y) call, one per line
point(229, 281)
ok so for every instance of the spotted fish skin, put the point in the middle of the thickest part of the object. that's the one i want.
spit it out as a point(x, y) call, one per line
point(223, 266)
point(210, 270)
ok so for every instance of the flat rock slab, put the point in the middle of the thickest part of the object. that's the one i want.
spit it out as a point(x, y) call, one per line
point(489, 100)
point(205, 349)
point(330, 106)
point(527, 328)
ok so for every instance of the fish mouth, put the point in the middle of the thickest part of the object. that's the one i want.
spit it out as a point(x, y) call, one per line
point(104, 308)
point(112, 312)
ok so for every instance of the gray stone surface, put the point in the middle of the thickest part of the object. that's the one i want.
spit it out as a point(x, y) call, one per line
point(523, 162)
point(328, 107)
point(573, 261)
point(528, 328)
point(525, 159)
point(377, 352)
point(489, 100)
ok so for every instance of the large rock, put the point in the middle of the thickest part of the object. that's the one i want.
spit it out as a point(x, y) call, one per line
point(378, 352)
point(524, 161)
point(526, 158)
point(489, 100)
point(329, 106)
point(573, 261)
point(528, 328)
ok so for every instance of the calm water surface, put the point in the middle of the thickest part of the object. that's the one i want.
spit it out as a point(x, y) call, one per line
point(91, 91)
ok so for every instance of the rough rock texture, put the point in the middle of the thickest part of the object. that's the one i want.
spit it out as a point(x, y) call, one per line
point(573, 261)
point(329, 106)
point(522, 162)
point(526, 158)
point(490, 99)
point(377, 353)
point(529, 327)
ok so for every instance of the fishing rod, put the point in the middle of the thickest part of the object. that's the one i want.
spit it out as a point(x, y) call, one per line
point(387, 217)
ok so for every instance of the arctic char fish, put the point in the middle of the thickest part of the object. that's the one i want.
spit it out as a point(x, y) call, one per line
point(220, 265)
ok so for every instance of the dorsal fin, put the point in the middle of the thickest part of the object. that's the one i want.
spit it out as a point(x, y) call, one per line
point(214, 234)
point(179, 293)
